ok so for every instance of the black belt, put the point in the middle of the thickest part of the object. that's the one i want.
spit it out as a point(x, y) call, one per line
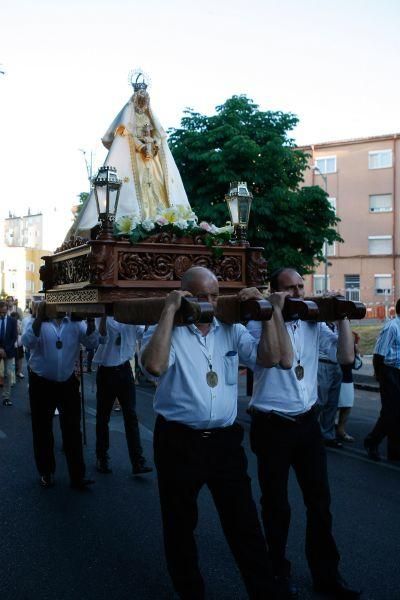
point(202, 433)
point(256, 413)
point(117, 367)
point(327, 361)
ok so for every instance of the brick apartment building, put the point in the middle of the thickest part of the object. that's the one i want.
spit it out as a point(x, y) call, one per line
point(362, 178)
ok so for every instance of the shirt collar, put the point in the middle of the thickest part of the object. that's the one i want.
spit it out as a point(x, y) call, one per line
point(63, 320)
point(214, 326)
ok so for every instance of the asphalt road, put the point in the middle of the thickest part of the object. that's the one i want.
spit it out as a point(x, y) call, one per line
point(60, 544)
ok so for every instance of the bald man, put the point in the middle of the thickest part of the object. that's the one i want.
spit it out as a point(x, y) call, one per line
point(285, 433)
point(196, 439)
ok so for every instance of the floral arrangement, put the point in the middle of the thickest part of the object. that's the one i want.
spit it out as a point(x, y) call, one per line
point(178, 221)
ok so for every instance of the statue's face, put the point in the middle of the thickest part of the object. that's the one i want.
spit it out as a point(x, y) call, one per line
point(141, 99)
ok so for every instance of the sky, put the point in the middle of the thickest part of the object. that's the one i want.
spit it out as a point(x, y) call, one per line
point(66, 63)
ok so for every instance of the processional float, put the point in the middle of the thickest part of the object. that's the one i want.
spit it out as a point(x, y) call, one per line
point(136, 236)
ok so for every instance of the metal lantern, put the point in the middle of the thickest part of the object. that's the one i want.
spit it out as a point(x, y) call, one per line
point(106, 187)
point(239, 201)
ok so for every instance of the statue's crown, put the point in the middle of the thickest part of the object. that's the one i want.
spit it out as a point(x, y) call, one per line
point(138, 80)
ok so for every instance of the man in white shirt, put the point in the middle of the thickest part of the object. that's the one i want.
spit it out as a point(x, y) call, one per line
point(54, 348)
point(285, 433)
point(386, 361)
point(329, 382)
point(196, 439)
point(115, 380)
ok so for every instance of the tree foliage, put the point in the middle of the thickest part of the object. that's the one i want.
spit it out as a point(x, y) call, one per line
point(242, 143)
point(83, 198)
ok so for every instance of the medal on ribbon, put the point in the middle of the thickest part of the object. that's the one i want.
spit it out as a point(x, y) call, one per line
point(299, 371)
point(59, 344)
point(212, 378)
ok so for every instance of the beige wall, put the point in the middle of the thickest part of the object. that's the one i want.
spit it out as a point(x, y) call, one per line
point(351, 185)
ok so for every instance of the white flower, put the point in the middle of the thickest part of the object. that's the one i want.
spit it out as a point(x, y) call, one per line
point(181, 223)
point(170, 214)
point(125, 224)
point(225, 229)
point(185, 212)
point(148, 225)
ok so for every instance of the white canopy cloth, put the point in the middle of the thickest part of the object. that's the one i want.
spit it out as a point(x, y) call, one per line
point(121, 140)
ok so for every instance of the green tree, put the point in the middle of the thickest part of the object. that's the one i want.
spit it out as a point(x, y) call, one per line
point(83, 197)
point(242, 143)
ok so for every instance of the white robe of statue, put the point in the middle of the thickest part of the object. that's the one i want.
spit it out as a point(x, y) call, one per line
point(138, 149)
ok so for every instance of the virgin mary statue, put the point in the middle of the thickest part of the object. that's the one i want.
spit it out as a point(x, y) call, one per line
point(138, 148)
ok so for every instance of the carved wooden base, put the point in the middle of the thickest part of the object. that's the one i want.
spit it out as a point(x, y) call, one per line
point(104, 271)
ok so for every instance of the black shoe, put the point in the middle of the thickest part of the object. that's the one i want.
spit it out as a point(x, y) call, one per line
point(46, 481)
point(372, 450)
point(81, 484)
point(338, 588)
point(7, 403)
point(333, 443)
point(140, 468)
point(285, 588)
point(102, 465)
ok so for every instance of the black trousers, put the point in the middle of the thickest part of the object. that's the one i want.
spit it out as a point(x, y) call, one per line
point(388, 423)
point(185, 461)
point(280, 444)
point(45, 396)
point(112, 383)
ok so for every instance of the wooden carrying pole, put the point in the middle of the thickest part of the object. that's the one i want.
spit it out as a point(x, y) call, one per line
point(328, 308)
point(229, 310)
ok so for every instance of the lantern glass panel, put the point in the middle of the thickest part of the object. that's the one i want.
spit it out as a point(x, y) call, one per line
point(233, 209)
point(244, 210)
point(102, 198)
point(113, 193)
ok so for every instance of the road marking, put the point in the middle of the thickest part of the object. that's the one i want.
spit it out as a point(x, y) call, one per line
point(2, 435)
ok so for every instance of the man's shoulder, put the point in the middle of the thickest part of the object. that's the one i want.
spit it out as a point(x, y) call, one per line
point(393, 325)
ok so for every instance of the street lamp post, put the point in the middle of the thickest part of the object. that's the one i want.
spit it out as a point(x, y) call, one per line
point(315, 168)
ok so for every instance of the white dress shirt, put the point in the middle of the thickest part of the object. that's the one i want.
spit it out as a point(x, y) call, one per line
point(119, 344)
point(50, 362)
point(279, 389)
point(388, 343)
point(183, 394)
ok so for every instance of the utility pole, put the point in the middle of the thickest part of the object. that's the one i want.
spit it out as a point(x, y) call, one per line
point(89, 165)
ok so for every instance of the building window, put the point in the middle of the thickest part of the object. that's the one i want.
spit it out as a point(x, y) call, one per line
point(381, 159)
point(352, 287)
point(319, 284)
point(380, 244)
point(326, 164)
point(332, 202)
point(383, 284)
point(331, 249)
point(380, 203)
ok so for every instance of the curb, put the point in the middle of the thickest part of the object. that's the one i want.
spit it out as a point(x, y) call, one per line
point(368, 387)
